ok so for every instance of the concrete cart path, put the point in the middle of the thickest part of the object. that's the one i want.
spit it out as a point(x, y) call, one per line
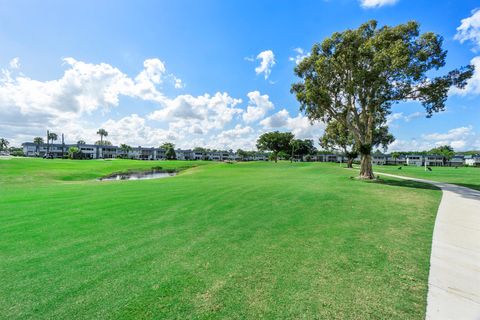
point(454, 279)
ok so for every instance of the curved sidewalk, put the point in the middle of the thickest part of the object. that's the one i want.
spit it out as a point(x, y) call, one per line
point(454, 278)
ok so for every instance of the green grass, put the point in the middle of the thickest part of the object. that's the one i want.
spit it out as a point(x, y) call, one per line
point(219, 241)
point(464, 176)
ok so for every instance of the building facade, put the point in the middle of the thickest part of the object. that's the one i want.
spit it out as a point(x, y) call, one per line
point(89, 151)
point(473, 160)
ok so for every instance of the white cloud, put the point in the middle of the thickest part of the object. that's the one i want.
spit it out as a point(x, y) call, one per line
point(258, 106)
point(461, 139)
point(469, 29)
point(277, 120)
point(15, 63)
point(414, 115)
point(376, 3)
point(134, 130)
point(266, 64)
point(453, 134)
point(178, 83)
point(238, 137)
point(391, 118)
point(208, 112)
point(300, 126)
point(31, 106)
point(473, 84)
point(300, 55)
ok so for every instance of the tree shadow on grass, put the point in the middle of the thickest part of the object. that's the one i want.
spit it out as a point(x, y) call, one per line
point(405, 184)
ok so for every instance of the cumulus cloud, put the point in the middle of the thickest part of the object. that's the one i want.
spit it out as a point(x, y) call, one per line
point(473, 84)
point(300, 55)
point(300, 126)
point(134, 130)
point(469, 29)
point(238, 137)
point(30, 106)
point(15, 63)
point(376, 3)
point(206, 112)
point(83, 88)
point(258, 106)
point(461, 139)
point(391, 118)
point(266, 64)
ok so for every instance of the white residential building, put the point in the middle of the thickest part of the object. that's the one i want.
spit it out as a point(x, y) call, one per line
point(456, 161)
point(472, 160)
point(379, 159)
point(90, 151)
point(414, 160)
point(433, 160)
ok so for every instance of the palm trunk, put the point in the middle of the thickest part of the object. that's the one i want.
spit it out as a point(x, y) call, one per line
point(366, 169)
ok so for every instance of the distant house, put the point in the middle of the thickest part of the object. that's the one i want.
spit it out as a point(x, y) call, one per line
point(414, 160)
point(456, 161)
point(91, 151)
point(401, 160)
point(433, 160)
point(473, 160)
point(379, 159)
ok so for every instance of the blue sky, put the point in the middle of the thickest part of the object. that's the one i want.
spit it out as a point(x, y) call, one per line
point(191, 71)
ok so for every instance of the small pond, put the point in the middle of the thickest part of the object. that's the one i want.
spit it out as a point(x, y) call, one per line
point(141, 175)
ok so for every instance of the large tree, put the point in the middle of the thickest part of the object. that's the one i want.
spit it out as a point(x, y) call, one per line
point(275, 142)
point(356, 76)
point(301, 148)
point(445, 151)
point(338, 137)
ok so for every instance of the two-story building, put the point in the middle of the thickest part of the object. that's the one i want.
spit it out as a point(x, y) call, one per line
point(414, 160)
point(473, 160)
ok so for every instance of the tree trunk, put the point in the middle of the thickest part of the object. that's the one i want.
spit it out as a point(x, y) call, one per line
point(350, 163)
point(366, 170)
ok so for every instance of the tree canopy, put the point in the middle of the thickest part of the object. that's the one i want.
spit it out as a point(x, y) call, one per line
point(52, 136)
point(355, 76)
point(275, 142)
point(445, 151)
point(167, 145)
point(302, 148)
point(4, 144)
point(170, 154)
point(103, 143)
point(38, 140)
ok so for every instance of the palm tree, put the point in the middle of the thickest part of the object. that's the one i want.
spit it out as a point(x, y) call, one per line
point(102, 133)
point(395, 156)
point(125, 149)
point(38, 141)
point(52, 136)
point(3, 144)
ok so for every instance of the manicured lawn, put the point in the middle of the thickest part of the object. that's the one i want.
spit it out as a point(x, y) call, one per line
point(230, 241)
point(464, 176)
